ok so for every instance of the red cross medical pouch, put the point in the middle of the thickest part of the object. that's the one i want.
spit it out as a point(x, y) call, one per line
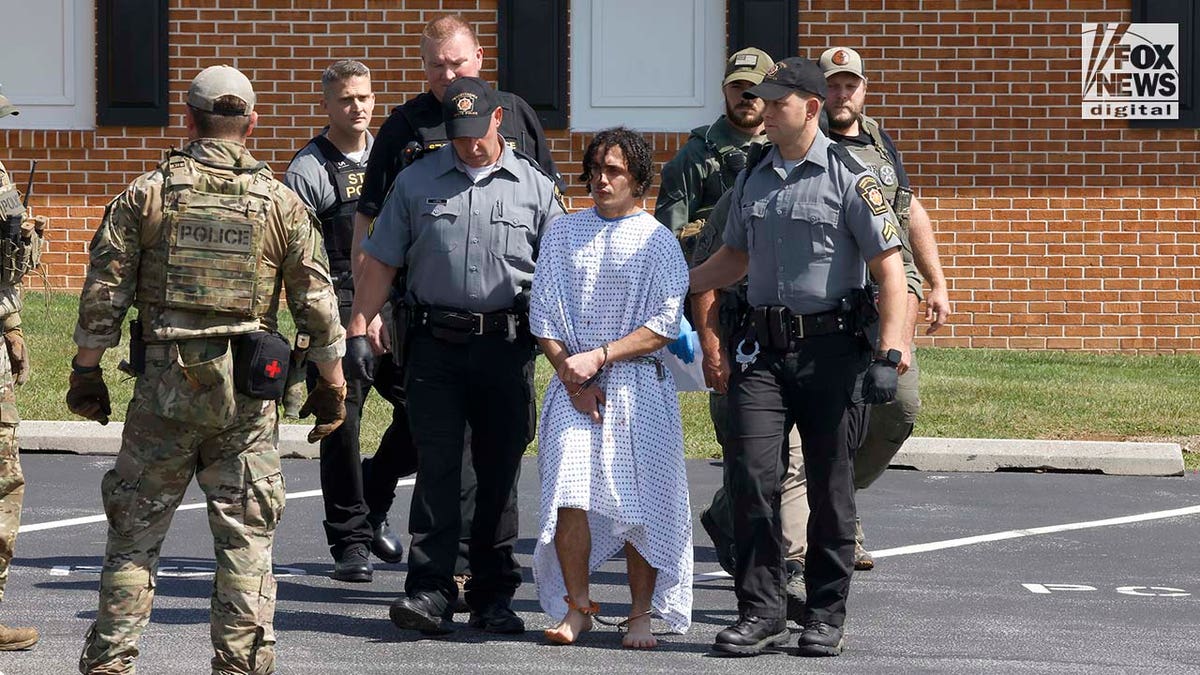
point(260, 364)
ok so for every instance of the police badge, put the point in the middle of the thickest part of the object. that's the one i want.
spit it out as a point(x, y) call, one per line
point(887, 175)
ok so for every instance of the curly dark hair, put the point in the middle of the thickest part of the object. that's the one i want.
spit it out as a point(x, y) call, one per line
point(639, 159)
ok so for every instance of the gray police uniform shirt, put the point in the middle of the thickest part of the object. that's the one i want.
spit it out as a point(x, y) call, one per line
point(809, 232)
point(308, 177)
point(466, 245)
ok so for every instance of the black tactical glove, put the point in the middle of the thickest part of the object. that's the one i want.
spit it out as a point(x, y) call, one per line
point(18, 357)
point(88, 395)
point(358, 365)
point(327, 403)
point(879, 384)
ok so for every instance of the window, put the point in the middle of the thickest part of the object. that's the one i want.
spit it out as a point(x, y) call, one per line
point(652, 65)
point(48, 69)
point(1186, 13)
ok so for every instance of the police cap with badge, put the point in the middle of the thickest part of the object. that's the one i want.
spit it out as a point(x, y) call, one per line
point(794, 74)
point(467, 108)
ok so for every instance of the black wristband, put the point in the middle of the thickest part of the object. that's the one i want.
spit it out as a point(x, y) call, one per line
point(82, 370)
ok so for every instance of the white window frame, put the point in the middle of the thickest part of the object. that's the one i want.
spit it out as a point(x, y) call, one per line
point(597, 99)
point(74, 107)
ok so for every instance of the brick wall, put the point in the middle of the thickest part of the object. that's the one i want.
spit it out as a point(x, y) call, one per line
point(1056, 232)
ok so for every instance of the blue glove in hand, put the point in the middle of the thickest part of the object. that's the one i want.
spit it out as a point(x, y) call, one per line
point(685, 345)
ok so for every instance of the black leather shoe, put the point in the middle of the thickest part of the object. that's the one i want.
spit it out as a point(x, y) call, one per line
point(751, 635)
point(497, 618)
point(821, 639)
point(385, 544)
point(421, 612)
point(352, 565)
point(797, 595)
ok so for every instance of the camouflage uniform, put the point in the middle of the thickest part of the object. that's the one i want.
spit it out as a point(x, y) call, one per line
point(12, 481)
point(185, 417)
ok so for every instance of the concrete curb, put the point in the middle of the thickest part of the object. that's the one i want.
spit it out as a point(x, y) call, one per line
point(990, 454)
point(90, 438)
point(923, 454)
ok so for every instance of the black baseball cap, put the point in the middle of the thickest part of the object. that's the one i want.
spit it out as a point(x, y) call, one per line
point(467, 107)
point(793, 74)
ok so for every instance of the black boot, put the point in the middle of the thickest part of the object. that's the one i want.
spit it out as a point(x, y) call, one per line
point(821, 639)
point(751, 635)
point(423, 611)
point(352, 565)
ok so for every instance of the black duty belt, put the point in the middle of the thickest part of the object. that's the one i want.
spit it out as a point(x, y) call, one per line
point(777, 327)
point(467, 323)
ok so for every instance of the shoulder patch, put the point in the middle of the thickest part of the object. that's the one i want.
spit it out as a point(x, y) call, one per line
point(868, 188)
point(890, 231)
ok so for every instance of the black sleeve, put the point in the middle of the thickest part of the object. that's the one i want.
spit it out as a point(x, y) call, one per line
point(384, 163)
point(541, 151)
point(901, 174)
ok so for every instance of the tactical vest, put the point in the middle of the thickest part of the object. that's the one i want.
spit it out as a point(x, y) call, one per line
point(722, 163)
point(877, 158)
point(430, 130)
point(20, 240)
point(202, 275)
point(337, 221)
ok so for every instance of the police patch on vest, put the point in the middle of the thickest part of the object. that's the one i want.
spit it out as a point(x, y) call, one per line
point(887, 175)
point(10, 202)
point(868, 188)
point(349, 184)
point(215, 235)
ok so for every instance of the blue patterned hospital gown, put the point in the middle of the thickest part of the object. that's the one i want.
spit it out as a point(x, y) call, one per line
point(597, 281)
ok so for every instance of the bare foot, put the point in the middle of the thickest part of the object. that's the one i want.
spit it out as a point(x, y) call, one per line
point(574, 624)
point(639, 635)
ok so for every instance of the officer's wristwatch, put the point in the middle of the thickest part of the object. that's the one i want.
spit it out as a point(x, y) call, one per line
point(891, 357)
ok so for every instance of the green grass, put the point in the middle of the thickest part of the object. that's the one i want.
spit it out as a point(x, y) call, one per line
point(968, 393)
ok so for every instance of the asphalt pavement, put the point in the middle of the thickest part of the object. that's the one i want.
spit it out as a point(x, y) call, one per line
point(976, 572)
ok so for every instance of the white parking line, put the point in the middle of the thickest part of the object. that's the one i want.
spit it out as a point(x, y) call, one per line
point(1007, 534)
point(87, 520)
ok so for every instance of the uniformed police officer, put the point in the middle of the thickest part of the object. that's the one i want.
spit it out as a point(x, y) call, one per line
point(327, 173)
point(20, 246)
point(890, 424)
point(201, 246)
point(449, 49)
point(692, 182)
point(804, 220)
point(464, 225)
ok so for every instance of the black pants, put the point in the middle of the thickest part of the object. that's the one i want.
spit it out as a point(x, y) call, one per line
point(358, 493)
point(486, 382)
point(817, 386)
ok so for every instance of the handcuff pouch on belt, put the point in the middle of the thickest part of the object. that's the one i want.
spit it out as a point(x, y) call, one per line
point(260, 365)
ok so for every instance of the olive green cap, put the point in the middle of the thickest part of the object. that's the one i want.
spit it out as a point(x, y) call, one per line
point(747, 64)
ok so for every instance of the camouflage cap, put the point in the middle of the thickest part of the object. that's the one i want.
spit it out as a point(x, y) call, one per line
point(841, 60)
point(747, 64)
point(216, 81)
point(7, 108)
